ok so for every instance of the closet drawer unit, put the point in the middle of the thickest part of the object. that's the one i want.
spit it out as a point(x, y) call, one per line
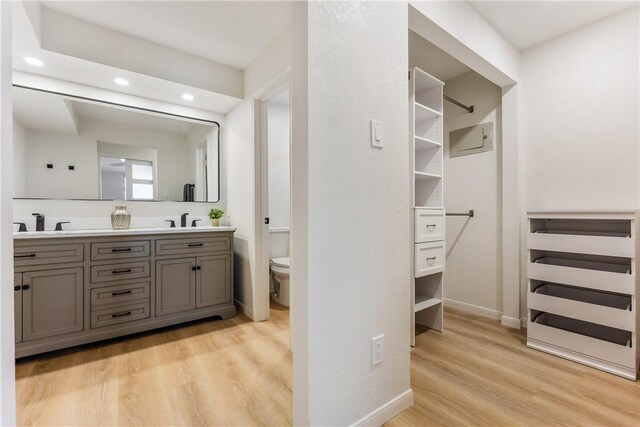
point(542, 334)
point(583, 244)
point(48, 254)
point(119, 295)
point(612, 281)
point(111, 272)
point(120, 250)
point(429, 258)
point(613, 310)
point(192, 245)
point(429, 225)
point(117, 315)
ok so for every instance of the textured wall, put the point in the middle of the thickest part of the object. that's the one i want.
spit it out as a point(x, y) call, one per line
point(357, 218)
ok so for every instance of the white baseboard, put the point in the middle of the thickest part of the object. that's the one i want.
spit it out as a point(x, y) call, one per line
point(247, 311)
point(474, 309)
point(387, 411)
point(510, 322)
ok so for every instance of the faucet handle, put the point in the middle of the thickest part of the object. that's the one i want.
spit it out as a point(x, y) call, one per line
point(193, 223)
point(23, 226)
point(59, 225)
point(37, 215)
point(172, 223)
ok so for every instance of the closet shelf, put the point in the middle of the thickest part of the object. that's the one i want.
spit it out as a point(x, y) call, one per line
point(426, 175)
point(425, 113)
point(425, 143)
point(588, 329)
point(583, 233)
point(586, 265)
point(423, 302)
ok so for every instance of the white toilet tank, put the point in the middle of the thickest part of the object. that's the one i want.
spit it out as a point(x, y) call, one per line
point(278, 242)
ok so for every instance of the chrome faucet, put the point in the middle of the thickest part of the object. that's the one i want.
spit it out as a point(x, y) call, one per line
point(183, 219)
point(39, 221)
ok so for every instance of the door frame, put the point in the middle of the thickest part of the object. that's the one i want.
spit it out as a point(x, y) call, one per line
point(261, 294)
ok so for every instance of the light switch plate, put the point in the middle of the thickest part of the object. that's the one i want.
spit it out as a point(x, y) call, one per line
point(377, 134)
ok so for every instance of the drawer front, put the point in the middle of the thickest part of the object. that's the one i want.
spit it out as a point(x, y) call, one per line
point(130, 270)
point(192, 246)
point(120, 295)
point(592, 347)
point(608, 316)
point(591, 279)
point(429, 226)
point(429, 258)
point(121, 250)
point(592, 245)
point(48, 254)
point(117, 315)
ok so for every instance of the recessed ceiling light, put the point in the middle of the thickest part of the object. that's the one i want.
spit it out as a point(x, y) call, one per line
point(121, 82)
point(33, 61)
point(187, 97)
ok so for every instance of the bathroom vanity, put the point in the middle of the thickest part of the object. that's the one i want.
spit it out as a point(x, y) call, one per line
point(81, 286)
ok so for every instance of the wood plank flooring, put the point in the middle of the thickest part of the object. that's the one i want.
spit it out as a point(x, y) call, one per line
point(224, 372)
point(236, 372)
point(479, 373)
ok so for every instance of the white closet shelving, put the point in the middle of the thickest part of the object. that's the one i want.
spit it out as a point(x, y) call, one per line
point(583, 287)
point(428, 228)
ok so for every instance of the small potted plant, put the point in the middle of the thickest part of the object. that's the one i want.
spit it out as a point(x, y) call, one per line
point(214, 216)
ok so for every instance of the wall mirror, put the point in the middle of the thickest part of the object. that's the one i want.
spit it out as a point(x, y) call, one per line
point(67, 147)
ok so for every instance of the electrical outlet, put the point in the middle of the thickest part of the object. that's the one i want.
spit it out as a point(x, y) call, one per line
point(376, 349)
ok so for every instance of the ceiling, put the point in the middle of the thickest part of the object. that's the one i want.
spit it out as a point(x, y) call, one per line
point(527, 23)
point(39, 111)
point(229, 32)
point(47, 112)
point(134, 118)
point(433, 60)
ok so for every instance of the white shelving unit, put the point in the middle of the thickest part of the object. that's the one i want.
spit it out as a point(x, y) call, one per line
point(583, 287)
point(428, 228)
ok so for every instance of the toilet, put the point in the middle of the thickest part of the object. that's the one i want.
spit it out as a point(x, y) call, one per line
point(279, 272)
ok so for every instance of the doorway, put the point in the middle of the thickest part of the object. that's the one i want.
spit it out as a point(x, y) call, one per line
point(273, 203)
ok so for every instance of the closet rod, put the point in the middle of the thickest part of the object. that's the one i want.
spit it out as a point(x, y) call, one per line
point(470, 214)
point(459, 104)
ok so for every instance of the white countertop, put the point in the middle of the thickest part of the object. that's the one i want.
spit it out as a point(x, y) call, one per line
point(111, 232)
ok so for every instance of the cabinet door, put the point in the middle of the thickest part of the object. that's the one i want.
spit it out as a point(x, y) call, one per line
point(213, 284)
point(52, 303)
point(175, 285)
point(17, 305)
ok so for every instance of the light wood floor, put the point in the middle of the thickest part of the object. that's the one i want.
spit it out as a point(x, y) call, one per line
point(479, 373)
point(475, 374)
point(229, 372)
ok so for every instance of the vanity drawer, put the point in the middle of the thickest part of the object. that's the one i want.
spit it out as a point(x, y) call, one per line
point(123, 271)
point(192, 246)
point(429, 225)
point(117, 315)
point(120, 250)
point(120, 294)
point(429, 258)
point(48, 254)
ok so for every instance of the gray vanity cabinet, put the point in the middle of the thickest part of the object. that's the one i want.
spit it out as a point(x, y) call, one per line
point(187, 283)
point(106, 286)
point(17, 304)
point(52, 302)
point(211, 277)
point(175, 285)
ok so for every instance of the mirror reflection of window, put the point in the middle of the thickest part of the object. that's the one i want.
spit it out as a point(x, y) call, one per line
point(126, 179)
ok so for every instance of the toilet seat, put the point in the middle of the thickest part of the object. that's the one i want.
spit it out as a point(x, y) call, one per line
point(283, 262)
